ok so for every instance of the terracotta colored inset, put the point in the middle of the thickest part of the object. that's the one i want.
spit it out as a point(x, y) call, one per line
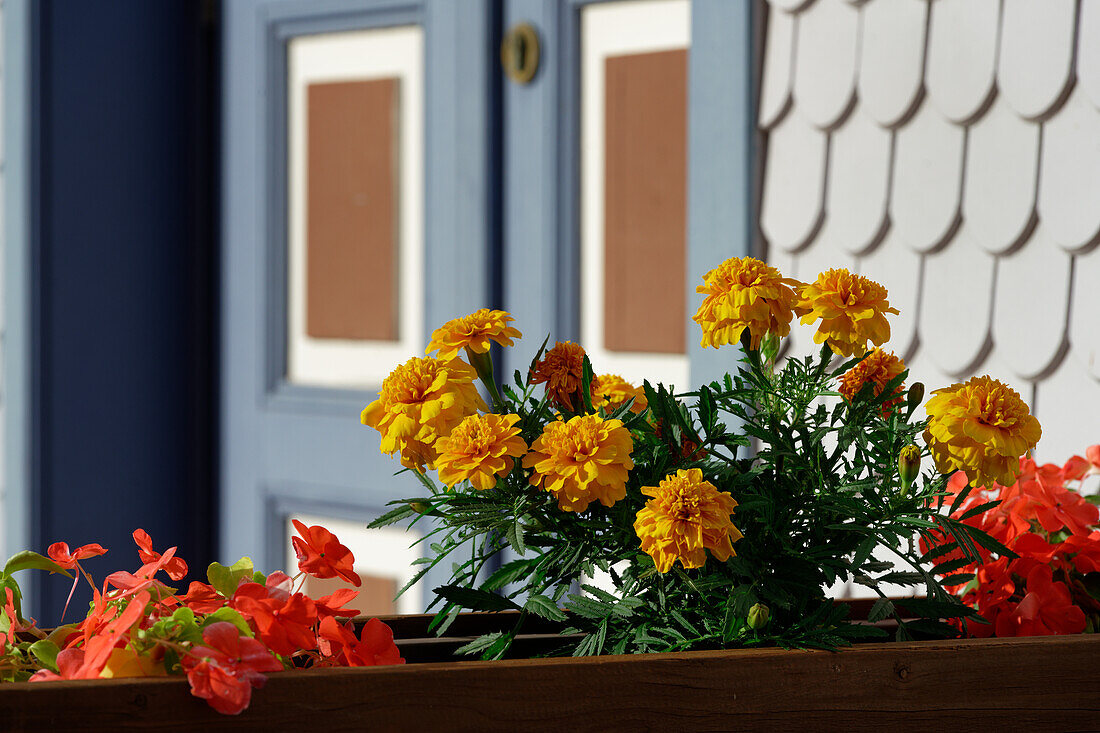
point(645, 201)
point(375, 594)
point(351, 210)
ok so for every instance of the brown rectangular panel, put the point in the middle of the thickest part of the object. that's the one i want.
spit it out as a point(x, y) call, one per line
point(351, 210)
point(645, 201)
point(376, 595)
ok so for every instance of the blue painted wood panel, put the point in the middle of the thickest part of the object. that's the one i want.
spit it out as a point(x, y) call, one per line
point(301, 449)
point(120, 298)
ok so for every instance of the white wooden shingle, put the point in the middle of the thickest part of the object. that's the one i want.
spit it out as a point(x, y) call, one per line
point(987, 121)
point(962, 56)
point(955, 309)
point(1066, 405)
point(794, 183)
point(825, 63)
point(1002, 159)
point(1035, 68)
point(859, 183)
point(1029, 312)
point(790, 6)
point(1088, 49)
point(775, 82)
point(891, 66)
point(928, 162)
point(897, 268)
point(922, 369)
point(1084, 324)
point(1069, 195)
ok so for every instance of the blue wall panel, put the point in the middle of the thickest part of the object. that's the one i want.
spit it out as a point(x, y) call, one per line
point(123, 298)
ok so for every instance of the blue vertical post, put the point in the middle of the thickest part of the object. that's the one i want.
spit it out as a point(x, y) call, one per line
point(720, 156)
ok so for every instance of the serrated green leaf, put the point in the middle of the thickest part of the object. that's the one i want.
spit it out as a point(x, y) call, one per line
point(881, 609)
point(480, 643)
point(476, 600)
point(544, 607)
point(393, 516)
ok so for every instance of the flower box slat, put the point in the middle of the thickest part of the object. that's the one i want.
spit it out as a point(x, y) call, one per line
point(1041, 683)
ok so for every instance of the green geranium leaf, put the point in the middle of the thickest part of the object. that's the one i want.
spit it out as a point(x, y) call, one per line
point(45, 651)
point(228, 614)
point(226, 579)
point(27, 560)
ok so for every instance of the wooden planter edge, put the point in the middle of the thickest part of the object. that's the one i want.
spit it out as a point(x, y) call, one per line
point(1045, 683)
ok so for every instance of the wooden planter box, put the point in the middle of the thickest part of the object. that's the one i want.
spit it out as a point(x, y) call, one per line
point(1044, 683)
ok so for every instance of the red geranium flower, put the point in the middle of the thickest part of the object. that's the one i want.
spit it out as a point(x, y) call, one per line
point(176, 568)
point(1093, 454)
point(1084, 551)
point(225, 670)
point(59, 553)
point(203, 598)
point(373, 647)
point(284, 626)
point(130, 583)
point(1046, 609)
point(321, 555)
point(331, 605)
point(87, 662)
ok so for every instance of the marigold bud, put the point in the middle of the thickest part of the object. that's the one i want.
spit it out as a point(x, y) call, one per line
point(916, 394)
point(420, 507)
point(759, 615)
point(908, 465)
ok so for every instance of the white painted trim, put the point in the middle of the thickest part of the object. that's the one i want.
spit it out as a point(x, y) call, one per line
point(354, 55)
point(16, 376)
point(637, 26)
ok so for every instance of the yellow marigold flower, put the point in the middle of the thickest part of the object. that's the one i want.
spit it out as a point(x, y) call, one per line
point(685, 517)
point(561, 369)
point(851, 308)
point(474, 332)
point(741, 293)
point(981, 427)
point(583, 460)
point(880, 368)
point(422, 400)
point(609, 391)
point(479, 450)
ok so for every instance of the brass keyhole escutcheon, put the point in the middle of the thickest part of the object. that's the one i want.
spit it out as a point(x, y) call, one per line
point(519, 53)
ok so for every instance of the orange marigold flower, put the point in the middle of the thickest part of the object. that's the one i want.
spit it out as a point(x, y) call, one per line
point(561, 369)
point(581, 461)
point(421, 401)
point(879, 368)
point(981, 427)
point(609, 391)
point(474, 332)
point(741, 293)
point(686, 517)
point(479, 450)
point(851, 308)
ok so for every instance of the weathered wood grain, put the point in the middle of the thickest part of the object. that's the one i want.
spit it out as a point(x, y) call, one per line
point(996, 684)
